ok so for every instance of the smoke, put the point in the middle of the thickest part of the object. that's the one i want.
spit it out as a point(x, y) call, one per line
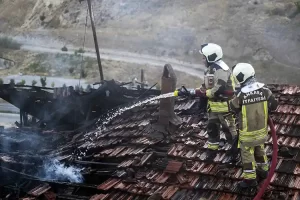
point(54, 170)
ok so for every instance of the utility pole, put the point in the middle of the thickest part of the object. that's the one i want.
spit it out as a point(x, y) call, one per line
point(95, 40)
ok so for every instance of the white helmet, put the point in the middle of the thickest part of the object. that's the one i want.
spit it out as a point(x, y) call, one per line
point(243, 71)
point(212, 52)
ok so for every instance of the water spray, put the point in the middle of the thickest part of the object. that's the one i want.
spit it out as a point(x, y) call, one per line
point(103, 121)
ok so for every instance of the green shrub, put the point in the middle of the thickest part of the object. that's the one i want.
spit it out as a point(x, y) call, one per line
point(34, 67)
point(1, 81)
point(34, 82)
point(80, 50)
point(71, 70)
point(53, 84)
point(42, 17)
point(23, 82)
point(37, 67)
point(8, 43)
point(43, 81)
point(64, 48)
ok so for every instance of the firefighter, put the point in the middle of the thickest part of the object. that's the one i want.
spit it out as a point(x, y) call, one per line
point(252, 103)
point(218, 87)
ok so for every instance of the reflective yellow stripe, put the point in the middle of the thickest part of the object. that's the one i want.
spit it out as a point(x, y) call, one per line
point(266, 113)
point(218, 106)
point(233, 82)
point(244, 114)
point(213, 146)
point(249, 175)
point(254, 135)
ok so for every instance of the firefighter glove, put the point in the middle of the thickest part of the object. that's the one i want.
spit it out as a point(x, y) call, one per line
point(182, 92)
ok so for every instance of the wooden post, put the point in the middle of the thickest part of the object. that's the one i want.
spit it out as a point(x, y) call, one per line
point(95, 40)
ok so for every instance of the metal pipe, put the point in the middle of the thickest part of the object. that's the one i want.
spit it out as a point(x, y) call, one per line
point(95, 40)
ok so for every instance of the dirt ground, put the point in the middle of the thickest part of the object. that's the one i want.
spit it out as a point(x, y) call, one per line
point(264, 33)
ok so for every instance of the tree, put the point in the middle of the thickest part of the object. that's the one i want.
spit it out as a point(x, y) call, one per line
point(43, 81)
point(34, 82)
point(52, 84)
point(1, 81)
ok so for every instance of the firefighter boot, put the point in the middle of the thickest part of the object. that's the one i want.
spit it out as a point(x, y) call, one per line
point(262, 174)
point(247, 183)
point(210, 154)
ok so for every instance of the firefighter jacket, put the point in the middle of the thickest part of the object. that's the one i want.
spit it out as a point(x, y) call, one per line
point(218, 79)
point(252, 104)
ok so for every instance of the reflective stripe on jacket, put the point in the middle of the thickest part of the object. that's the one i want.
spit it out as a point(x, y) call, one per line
point(252, 108)
point(217, 107)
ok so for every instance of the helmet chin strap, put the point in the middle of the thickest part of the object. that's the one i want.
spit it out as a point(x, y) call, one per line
point(249, 81)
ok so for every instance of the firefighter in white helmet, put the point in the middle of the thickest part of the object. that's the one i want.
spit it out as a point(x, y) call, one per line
point(218, 87)
point(252, 103)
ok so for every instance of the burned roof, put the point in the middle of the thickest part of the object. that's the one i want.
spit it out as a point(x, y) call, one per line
point(173, 163)
point(132, 158)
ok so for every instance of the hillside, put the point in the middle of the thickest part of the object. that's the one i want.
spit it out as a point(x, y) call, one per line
point(265, 33)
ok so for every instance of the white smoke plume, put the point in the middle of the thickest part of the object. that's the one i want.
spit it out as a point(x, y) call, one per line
point(54, 170)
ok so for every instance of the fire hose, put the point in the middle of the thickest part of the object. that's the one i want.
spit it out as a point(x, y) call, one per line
point(273, 164)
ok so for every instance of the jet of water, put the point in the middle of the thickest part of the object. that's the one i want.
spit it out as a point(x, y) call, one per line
point(119, 111)
point(103, 121)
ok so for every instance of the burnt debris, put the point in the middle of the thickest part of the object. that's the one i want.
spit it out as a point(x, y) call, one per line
point(65, 108)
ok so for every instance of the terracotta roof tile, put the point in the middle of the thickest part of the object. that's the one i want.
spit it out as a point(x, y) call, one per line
point(174, 165)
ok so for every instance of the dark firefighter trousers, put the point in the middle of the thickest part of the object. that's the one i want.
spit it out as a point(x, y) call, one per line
point(215, 120)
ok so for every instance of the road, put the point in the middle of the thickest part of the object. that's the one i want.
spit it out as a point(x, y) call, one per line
point(121, 56)
point(59, 81)
point(6, 107)
point(8, 119)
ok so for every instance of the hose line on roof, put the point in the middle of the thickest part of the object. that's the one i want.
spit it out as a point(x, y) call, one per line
point(273, 164)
